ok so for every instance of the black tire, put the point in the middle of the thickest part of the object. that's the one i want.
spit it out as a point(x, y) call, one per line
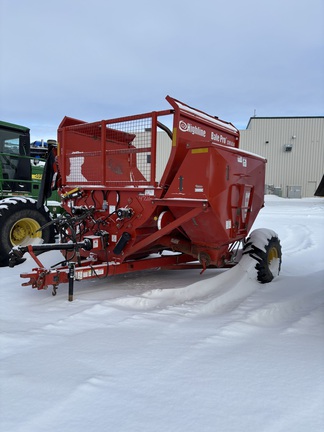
point(20, 221)
point(268, 256)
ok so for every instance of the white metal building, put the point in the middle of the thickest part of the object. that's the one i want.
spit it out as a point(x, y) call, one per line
point(294, 149)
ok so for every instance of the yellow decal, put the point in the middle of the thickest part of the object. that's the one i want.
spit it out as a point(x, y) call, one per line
point(37, 176)
point(174, 137)
point(199, 150)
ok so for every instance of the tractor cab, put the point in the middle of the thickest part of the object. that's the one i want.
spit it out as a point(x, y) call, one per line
point(15, 166)
point(21, 162)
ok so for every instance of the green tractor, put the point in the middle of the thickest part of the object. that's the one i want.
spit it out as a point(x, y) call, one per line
point(23, 220)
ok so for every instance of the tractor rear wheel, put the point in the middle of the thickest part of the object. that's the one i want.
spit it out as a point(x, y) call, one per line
point(264, 246)
point(21, 224)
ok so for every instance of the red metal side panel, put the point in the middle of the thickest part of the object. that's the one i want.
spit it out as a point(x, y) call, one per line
point(191, 126)
point(195, 125)
point(230, 180)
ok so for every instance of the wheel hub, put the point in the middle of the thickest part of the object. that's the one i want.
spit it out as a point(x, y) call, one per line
point(273, 254)
point(24, 230)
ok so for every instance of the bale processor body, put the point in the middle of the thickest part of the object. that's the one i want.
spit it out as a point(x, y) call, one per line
point(126, 213)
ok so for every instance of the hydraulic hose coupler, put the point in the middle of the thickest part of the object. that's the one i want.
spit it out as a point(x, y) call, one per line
point(124, 213)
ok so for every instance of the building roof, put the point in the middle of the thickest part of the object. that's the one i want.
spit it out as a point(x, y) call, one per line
point(282, 118)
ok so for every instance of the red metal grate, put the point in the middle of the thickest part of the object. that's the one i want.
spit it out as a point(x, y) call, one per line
point(109, 153)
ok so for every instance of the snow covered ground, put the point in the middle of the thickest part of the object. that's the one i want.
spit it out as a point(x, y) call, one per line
point(169, 351)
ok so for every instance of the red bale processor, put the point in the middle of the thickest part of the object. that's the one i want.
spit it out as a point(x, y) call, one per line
point(138, 195)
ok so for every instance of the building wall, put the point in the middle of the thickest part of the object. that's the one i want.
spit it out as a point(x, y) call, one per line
point(163, 150)
point(294, 149)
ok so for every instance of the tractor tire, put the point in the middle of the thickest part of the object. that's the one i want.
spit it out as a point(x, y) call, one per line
point(264, 246)
point(20, 224)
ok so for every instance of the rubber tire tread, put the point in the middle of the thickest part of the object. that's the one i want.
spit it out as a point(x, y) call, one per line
point(264, 273)
point(14, 210)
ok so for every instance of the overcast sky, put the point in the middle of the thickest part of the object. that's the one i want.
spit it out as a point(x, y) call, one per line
point(100, 59)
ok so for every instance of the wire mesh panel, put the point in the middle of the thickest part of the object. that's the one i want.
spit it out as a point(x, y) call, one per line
point(108, 153)
point(82, 154)
point(140, 146)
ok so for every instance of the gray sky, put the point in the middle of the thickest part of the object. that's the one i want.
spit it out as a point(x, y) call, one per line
point(100, 59)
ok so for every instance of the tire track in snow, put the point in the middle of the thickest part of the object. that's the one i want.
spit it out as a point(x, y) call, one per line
point(217, 294)
point(90, 389)
point(308, 322)
point(288, 310)
point(84, 318)
point(298, 239)
point(233, 293)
